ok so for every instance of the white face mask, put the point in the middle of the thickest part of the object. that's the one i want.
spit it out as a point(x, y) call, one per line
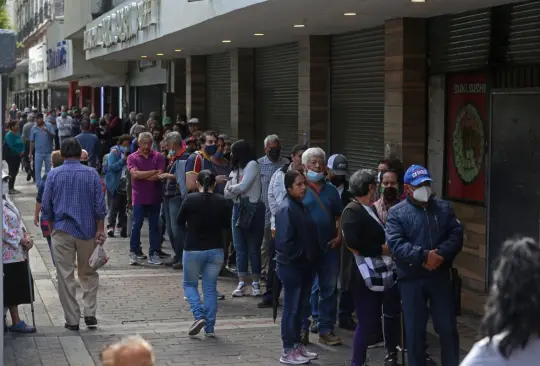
point(422, 194)
point(5, 188)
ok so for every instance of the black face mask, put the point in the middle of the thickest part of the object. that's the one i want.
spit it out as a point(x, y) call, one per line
point(390, 194)
point(274, 153)
point(337, 180)
point(84, 162)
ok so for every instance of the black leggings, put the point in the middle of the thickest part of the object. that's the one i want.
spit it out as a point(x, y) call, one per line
point(14, 163)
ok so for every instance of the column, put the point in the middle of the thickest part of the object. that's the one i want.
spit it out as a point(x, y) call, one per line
point(243, 95)
point(180, 89)
point(405, 109)
point(73, 85)
point(314, 91)
point(196, 88)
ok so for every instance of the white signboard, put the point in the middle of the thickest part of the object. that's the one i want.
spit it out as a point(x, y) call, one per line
point(37, 64)
point(59, 60)
point(122, 24)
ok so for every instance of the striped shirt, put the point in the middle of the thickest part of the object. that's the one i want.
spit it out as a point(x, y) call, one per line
point(268, 168)
point(74, 199)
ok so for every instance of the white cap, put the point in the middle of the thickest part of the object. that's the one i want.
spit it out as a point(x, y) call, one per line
point(193, 121)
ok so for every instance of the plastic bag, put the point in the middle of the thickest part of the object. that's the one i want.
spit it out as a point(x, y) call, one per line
point(99, 258)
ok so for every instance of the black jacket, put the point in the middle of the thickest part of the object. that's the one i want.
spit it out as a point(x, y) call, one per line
point(361, 232)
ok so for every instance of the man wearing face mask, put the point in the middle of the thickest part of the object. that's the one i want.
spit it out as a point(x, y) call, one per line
point(424, 236)
point(201, 160)
point(64, 124)
point(269, 164)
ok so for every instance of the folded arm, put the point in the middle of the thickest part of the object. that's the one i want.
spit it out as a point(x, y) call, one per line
point(451, 247)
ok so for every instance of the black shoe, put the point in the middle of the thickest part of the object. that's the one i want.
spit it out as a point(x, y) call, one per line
point(265, 304)
point(72, 327)
point(110, 232)
point(177, 266)
point(347, 324)
point(314, 328)
point(430, 362)
point(162, 254)
point(91, 321)
point(28, 177)
point(141, 255)
point(123, 233)
point(391, 359)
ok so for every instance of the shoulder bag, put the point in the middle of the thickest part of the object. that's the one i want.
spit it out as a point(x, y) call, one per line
point(247, 211)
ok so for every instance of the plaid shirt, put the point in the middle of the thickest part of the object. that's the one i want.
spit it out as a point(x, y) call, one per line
point(268, 168)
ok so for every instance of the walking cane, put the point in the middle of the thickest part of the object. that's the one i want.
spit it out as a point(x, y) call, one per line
point(31, 288)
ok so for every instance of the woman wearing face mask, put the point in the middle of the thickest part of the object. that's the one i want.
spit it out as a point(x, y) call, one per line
point(15, 151)
point(244, 188)
point(16, 243)
point(364, 235)
point(116, 184)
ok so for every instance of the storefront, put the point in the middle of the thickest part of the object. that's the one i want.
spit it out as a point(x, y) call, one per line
point(357, 96)
point(276, 94)
point(148, 80)
point(218, 92)
point(38, 76)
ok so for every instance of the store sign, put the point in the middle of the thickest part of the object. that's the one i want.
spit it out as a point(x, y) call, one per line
point(467, 121)
point(58, 57)
point(122, 24)
point(37, 72)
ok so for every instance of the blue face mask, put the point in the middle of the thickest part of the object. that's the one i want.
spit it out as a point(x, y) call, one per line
point(218, 154)
point(210, 150)
point(123, 149)
point(172, 152)
point(314, 176)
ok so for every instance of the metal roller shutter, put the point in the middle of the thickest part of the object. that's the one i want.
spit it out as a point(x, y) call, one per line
point(218, 90)
point(276, 94)
point(357, 103)
point(524, 40)
point(459, 42)
point(150, 99)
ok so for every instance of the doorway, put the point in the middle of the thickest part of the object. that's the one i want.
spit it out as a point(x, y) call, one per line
point(514, 192)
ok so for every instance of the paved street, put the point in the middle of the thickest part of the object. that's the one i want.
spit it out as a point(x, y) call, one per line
point(148, 300)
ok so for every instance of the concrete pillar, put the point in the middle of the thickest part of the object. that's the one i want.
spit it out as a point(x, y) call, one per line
point(73, 85)
point(314, 91)
point(196, 89)
point(243, 94)
point(179, 90)
point(405, 109)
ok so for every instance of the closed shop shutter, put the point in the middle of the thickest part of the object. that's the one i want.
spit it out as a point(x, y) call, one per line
point(218, 99)
point(276, 95)
point(357, 104)
point(524, 40)
point(150, 99)
point(459, 42)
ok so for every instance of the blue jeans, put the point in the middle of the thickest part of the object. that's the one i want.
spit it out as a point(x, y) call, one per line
point(296, 291)
point(415, 295)
point(324, 296)
point(139, 212)
point(247, 243)
point(171, 206)
point(41, 159)
point(208, 263)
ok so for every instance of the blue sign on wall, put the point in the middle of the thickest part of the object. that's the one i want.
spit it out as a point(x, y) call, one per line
point(57, 57)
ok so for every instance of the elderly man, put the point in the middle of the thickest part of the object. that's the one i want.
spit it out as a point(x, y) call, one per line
point(145, 165)
point(64, 123)
point(323, 202)
point(89, 142)
point(424, 236)
point(269, 164)
point(41, 146)
point(76, 230)
point(131, 351)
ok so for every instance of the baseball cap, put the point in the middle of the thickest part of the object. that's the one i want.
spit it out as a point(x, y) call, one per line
point(417, 175)
point(193, 121)
point(167, 121)
point(338, 164)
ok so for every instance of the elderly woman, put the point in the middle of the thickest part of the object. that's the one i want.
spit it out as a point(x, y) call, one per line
point(364, 235)
point(324, 203)
point(511, 324)
point(15, 151)
point(244, 188)
point(18, 287)
point(296, 253)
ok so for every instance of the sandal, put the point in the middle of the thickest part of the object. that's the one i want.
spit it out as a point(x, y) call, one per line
point(22, 327)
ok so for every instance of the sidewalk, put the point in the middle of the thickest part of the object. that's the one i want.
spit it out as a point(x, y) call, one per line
point(148, 300)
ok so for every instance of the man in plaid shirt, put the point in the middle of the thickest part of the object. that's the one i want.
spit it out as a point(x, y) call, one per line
point(269, 164)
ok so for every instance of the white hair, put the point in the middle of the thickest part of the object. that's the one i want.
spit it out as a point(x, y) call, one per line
point(311, 152)
point(270, 138)
point(145, 136)
point(174, 137)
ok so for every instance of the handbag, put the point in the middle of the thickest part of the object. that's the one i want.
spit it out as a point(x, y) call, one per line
point(246, 214)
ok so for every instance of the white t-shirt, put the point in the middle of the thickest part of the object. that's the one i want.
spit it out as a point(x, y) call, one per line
point(485, 353)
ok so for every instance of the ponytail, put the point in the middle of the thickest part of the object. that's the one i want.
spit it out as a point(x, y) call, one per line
point(207, 180)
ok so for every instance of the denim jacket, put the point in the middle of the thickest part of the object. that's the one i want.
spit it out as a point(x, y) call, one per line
point(412, 231)
point(115, 165)
point(296, 235)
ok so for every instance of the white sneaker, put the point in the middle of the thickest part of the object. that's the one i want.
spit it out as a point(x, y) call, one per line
point(293, 358)
point(239, 292)
point(133, 260)
point(256, 289)
point(155, 259)
point(302, 350)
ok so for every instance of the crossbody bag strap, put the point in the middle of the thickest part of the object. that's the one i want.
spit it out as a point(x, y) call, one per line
point(321, 204)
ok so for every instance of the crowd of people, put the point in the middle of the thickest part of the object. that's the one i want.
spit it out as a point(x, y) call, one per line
point(378, 244)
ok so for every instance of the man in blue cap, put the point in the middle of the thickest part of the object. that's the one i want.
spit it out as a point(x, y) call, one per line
point(424, 236)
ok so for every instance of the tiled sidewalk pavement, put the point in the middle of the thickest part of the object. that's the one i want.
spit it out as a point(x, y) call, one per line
point(148, 300)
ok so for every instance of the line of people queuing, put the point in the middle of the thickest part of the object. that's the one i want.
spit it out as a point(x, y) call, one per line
point(284, 216)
